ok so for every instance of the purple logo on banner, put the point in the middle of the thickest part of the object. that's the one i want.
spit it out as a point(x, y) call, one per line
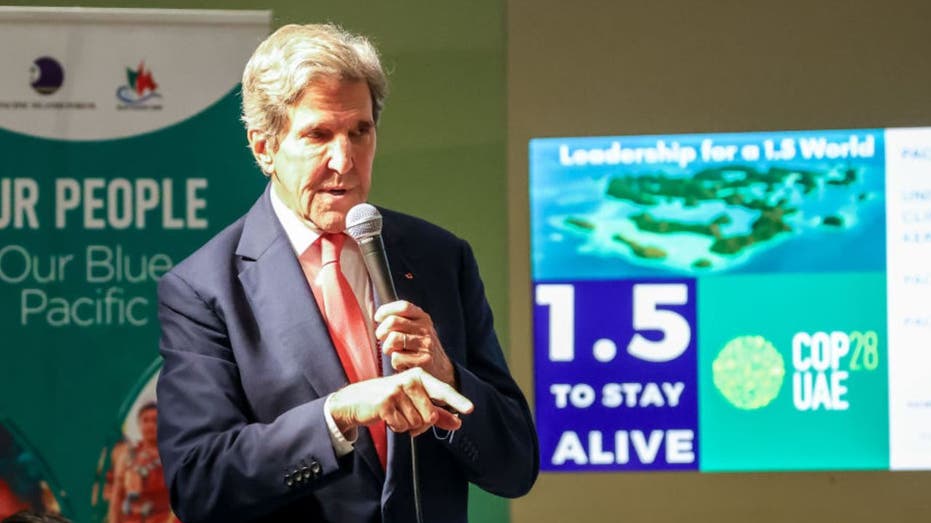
point(616, 375)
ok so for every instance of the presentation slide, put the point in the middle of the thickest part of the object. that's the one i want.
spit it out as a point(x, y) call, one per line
point(733, 302)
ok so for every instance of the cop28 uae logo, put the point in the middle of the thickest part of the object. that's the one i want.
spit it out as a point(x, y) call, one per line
point(749, 372)
point(46, 75)
point(140, 86)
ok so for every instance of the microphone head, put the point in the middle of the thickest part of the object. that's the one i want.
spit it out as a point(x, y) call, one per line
point(363, 221)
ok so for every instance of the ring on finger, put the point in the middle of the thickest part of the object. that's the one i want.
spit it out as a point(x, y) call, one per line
point(404, 341)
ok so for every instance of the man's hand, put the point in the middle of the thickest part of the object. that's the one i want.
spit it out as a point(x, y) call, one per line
point(406, 332)
point(408, 402)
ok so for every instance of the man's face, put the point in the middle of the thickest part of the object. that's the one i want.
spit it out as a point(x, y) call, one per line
point(323, 164)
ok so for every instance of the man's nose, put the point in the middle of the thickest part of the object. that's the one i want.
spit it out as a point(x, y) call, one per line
point(340, 155)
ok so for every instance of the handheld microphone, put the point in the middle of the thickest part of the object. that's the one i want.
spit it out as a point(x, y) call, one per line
point(363, 224)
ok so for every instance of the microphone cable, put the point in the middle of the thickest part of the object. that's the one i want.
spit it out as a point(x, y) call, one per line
point(415, 479)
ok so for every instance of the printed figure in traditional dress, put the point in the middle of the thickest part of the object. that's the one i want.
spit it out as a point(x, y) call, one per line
point(138, 492)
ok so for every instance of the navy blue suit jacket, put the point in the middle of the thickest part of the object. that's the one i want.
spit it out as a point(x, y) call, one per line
point(248, 364)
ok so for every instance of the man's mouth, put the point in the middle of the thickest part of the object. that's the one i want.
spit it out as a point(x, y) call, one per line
point(336, 192)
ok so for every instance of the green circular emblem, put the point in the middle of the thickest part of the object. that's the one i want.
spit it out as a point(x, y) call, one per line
point(748, 372)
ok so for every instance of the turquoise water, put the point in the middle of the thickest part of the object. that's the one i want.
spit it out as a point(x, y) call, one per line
point(562, 251)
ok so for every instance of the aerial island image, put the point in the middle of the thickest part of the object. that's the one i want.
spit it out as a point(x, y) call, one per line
point(703, 204)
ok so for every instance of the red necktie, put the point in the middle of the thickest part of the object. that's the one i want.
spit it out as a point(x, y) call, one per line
point(344, 319)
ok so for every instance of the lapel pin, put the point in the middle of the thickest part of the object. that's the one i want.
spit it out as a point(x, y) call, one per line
point(409, 275)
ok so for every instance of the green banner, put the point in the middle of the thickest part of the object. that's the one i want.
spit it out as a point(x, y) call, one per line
point(123, 153)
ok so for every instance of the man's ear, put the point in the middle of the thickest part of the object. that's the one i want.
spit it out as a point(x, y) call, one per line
point(262, 151)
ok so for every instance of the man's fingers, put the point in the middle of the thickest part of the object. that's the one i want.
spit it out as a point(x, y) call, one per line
point(447, 420)
point(412, 418)
point(407, 401)
point(402, 308)
point(443, 393)
point(401, 361)
point(419, 403)
point(397, 342)
point(395, 323)
point(394, 419)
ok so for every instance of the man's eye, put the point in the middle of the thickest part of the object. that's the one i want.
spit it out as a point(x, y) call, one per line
point(361, 131)
point(316, 136)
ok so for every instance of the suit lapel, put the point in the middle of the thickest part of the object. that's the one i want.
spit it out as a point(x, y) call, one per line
point(283, 305)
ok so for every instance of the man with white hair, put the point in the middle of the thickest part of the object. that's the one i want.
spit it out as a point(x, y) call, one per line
point(286, 394)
